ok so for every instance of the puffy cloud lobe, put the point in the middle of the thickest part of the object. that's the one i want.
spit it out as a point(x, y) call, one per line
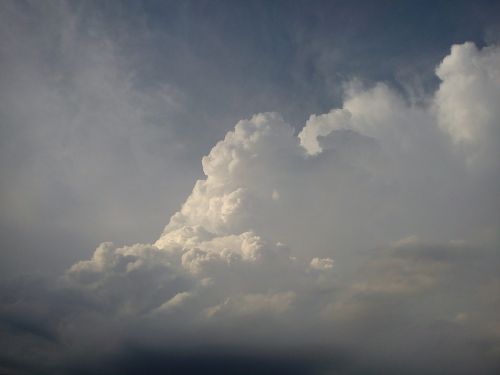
point(467, 74)
point(297, 239)
point(237, 171)
point(191, 266)
point(467, 101)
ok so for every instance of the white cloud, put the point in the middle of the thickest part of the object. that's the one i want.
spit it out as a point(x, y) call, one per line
point(368, 166)
point(309, 229)
point(467, 101)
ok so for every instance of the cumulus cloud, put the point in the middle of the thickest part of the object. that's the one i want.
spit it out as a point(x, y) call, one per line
point(371, 233)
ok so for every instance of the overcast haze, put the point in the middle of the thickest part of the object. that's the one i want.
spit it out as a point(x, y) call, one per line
point(250, 187)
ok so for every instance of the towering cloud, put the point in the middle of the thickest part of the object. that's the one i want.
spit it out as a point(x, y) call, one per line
point(370, 239)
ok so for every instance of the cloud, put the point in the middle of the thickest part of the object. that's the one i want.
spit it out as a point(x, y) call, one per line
point(78, 127)
point(322, 263)
point(372, 233)
point(470, 75)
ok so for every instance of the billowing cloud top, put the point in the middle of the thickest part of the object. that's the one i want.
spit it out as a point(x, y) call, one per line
point(370, 240)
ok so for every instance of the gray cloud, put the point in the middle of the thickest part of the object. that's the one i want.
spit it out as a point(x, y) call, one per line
point(77, 133)
point(370, 239)
point(364, 242)
point(98, 100)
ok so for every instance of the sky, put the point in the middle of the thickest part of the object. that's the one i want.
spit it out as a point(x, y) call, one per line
point(307, 187)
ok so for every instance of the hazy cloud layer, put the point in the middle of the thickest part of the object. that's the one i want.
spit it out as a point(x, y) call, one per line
point(367, 243)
